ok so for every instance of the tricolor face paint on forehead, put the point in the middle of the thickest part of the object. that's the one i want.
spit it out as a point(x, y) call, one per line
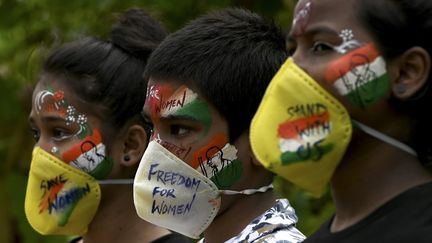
point(54, 102)
point(301, 17)
point(360, 75)
point(186, 125)
point(165, 102)
point(68, 134)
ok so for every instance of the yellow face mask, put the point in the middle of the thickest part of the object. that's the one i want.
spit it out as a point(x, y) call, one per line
point(300, 131)
point(60, 199)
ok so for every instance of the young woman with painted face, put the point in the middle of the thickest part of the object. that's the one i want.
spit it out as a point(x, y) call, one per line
point(354, 115)
point(90, 136)
point(205, 83)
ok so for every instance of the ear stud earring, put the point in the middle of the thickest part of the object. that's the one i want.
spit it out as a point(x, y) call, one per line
point(400, 89)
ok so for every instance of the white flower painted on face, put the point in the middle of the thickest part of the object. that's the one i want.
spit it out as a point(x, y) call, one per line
point(82, 119)
point(346, 35)
point(348, 42)
point(70, 110)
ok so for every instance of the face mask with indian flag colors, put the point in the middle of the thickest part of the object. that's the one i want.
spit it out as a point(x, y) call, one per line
point(300, 131)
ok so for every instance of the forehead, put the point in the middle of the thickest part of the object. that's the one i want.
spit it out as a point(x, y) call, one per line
point(175, 100)
point(158, 91)
point(330, 13)
point(50, 92)
point(50, 85)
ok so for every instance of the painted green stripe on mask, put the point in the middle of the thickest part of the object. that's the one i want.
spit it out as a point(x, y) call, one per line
point(313, 153)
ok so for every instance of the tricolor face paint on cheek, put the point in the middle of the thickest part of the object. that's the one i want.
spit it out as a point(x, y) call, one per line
point(360, 75)
point(87, 151)
point(218, 161)
point(207, 152)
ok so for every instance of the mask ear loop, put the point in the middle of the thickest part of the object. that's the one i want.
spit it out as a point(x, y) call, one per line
point(247, 191)
point(389, 140)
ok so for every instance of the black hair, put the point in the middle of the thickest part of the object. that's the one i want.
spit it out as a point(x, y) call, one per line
point(398, 25)
point(230, 56)
point(108, 74)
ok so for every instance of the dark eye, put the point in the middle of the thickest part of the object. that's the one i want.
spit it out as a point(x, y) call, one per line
point(321, 47)
point(179, 130)
point(59, 134)
point(36, 134)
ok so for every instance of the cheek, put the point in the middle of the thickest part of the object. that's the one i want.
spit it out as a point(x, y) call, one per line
point(89, 155)
point(52, 149)
point(208, 150)
point(360, 76)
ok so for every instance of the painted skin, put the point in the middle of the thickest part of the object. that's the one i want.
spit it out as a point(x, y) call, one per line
point(70, 135)
point(192, 130)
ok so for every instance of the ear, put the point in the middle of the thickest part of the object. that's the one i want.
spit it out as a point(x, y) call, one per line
point(412, 72)
point(134, 144)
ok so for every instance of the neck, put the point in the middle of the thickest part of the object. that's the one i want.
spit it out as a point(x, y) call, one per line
point(117, 221)
point(363, 183)
point(243, 209)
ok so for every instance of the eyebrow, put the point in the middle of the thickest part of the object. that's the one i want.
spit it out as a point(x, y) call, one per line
point(180, 117)
point(52, 119)
point(144, 114)
point(313, 31)
point(46, 119)
point(30, 120)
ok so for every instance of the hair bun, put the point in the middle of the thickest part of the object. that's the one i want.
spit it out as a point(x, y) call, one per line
point(137, 33)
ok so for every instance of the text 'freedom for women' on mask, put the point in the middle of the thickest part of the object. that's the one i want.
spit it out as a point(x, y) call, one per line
point(171, 194)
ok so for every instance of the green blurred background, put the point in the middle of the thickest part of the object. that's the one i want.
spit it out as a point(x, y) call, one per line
point(29, 28)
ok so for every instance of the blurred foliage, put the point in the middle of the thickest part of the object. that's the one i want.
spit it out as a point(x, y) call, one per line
point(29, 28)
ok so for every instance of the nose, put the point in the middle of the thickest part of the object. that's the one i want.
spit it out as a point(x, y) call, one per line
point(42, 140)
point(299, 59)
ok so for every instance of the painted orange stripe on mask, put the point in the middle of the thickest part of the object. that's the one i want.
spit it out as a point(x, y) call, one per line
point(343, 65)
point(219, 140)
point(292, 129)
point(50, 197)
point(85, 145)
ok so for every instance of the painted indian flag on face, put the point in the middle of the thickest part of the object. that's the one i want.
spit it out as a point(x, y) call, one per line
point(303, 138)
point(360, 75)
point(90, 156)
point(218, 161)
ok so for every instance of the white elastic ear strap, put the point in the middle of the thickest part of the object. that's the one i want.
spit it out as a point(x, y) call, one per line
point(378, 135)
point(247, 191)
